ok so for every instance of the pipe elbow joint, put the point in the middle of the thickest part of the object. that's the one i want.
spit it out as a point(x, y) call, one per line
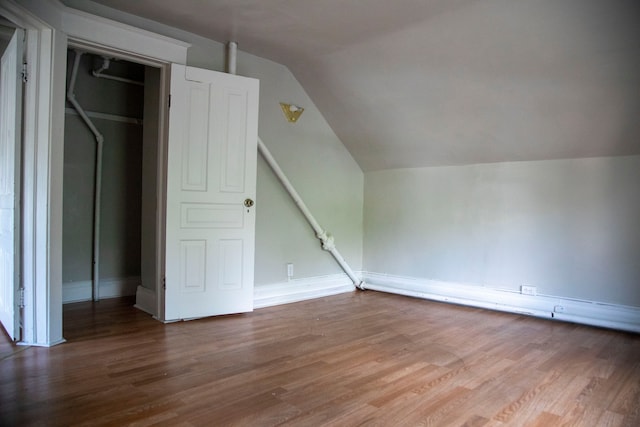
point(328, 244)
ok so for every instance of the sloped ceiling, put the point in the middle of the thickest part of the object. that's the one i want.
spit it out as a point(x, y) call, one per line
point(412, 83)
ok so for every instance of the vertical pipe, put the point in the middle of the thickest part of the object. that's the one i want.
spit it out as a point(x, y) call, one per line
point(232, 57)
point(96, 220)
point(98, 176)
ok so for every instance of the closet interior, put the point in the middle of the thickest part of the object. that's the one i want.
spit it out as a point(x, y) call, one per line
point(110, 177)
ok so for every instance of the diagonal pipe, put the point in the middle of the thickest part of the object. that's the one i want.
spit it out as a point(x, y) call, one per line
point(328, 243)
point(326, 239)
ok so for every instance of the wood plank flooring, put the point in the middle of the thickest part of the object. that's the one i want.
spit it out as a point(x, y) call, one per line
point(364, 358)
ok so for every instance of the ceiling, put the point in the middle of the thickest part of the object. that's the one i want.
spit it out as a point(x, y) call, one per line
point(413, 83)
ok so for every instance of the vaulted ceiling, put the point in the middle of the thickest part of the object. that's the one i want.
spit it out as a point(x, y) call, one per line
point(411, 83)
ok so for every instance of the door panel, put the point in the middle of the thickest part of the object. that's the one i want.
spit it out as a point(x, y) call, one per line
point(233, 145)
point(211, 171)
point(10, 134)
point(195, 165)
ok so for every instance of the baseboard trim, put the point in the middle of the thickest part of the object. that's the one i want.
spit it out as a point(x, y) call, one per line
point(301, 289)
point(109, 288)
point(593, 313)
point(146, 300)
point(76, 291)
point(45, 345)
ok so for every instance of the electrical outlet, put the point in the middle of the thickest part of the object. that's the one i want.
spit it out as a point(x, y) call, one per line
point(528, 290)
point(558, 309)
point(290, 270)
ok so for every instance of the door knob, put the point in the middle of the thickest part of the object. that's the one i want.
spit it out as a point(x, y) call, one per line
point(248, 203)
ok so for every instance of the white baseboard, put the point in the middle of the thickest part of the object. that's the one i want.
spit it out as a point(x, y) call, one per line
point(592, 313)
point(76, 291)
point(109, 288)
point(301, 289)
point(146, 300)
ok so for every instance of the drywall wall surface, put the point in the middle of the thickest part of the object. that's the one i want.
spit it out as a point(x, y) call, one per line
point(121, 178)
point(77, 202)
point(4, 37)
point(320, 168)
point(568, 227)
point(315, 160)
point(149, 202)
point(120, 207)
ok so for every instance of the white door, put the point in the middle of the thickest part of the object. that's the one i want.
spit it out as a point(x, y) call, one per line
point(211, 185)
point(10, 134)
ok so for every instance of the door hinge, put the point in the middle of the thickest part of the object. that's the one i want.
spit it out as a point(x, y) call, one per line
point(21, 298)
point(164, 283)
point(169, 102)
point(25, 74)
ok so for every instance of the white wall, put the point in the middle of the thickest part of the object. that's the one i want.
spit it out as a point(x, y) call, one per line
point(568, 227)
point(322, 171)
point(314, 159)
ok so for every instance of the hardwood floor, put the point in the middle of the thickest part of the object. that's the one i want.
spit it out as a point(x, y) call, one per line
point(365, 358)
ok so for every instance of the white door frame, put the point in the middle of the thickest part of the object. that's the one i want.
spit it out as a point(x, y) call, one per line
point(101, 35)
point(137, 45)
point(163, 121)
point(49, 25)
point(38, 272)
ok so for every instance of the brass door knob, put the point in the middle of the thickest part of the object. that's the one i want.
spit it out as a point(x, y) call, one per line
point(248, 203)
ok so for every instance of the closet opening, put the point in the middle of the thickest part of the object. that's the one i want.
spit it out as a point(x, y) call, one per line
point(112, 180)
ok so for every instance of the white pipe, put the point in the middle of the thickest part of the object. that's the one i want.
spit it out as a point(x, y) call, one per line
point(98, 176)
point(105, 66)
point(232, 57)
point(116, 78)
point(106, 62)
point(326, 238)
point(106, 116)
